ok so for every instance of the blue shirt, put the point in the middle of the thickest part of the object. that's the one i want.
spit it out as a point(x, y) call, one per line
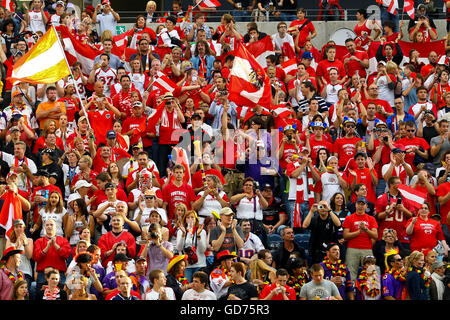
point(216, 110)
point(392, 123)
point(107, 22)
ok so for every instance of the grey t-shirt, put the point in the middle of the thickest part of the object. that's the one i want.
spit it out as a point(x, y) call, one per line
point(228, 242)
point(446, 146)
point(323, 290)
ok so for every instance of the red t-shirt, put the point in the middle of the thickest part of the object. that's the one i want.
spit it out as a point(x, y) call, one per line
point(364, 176)
point(174, 195)
point(362, 241)
point(354, 65)
point(167, 133)
point(325, 65)
point(317, 145)
point(345, 148)
point(425, 234)
point(379, 102)
point(306, 30)
point(290, 292)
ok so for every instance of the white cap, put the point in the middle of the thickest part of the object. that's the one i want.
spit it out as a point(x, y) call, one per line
point(82, 183)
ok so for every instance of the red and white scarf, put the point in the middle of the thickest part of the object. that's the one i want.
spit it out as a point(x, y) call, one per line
point(300, 197)
point(165, 119)
point(51, 295)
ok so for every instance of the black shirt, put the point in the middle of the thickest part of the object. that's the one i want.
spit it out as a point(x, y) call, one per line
point(322, 232)
point(244, 291)
point(281, 256)
point(271, 215)
point(429, 133)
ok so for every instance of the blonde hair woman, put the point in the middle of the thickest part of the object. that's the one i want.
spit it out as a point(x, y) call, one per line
point(54, 209)
point(417, 282)
point(261, 273)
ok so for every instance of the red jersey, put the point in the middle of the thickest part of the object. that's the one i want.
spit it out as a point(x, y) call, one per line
point(396, 220)
point(101, 122)
point(174, 195)
point(379, 102)
point(72, 107)
point(122, 101)
point(317, 145)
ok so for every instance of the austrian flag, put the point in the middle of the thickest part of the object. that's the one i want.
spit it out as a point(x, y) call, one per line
point(209, 4)
point(249, 84)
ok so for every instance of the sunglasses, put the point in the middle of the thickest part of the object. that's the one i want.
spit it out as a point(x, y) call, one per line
point(149, 197)
point(350, 126)
point(411, 130)
point(397, 260)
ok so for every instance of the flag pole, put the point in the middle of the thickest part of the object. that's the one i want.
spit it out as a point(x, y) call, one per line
point(73, 78)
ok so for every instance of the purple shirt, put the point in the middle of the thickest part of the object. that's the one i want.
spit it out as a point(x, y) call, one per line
point(346, 286)
point(109, 281)
point(392, 287)
point(156, 259)
point(100, 272)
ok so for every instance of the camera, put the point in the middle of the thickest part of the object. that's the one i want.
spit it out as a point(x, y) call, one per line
point(399, 200)
point(255, 185)
point(223, 92)
point(320, 207)
point(385, 139)
point(153, 235)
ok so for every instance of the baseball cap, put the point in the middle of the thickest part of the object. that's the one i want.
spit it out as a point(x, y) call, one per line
point(15, 128)
point(16, 93)
point(110, 185)
point(196, 115)
point(82, 183)
point(61, 3)
point(307, 55)
point(266, 186)
point(111, 134)
point(137, 145)
point(42, 173)
point(226, 211)
point(399, 148)
point(361, 199)
point(382, 62)
point(137, 104)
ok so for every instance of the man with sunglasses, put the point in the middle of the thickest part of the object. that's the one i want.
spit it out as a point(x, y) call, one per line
point(393, 287)
point(414, 146)
point(393, 122)
point(345, 148)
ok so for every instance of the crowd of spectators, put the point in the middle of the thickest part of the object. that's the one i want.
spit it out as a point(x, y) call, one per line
point(131, 192)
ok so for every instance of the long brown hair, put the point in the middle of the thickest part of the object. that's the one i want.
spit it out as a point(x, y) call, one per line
point(59, 206)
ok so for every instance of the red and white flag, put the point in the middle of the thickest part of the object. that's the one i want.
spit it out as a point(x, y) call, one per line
point(415, 197)
point(8, 4)
point(290, 67)
point(182, 158)
point(393, 6)
point(11, 210)
point(76, 51)
point(209, 4)
point(249, 83)
point(408, 7)
point(164, 83)
point(120, 41)
point(261, 49)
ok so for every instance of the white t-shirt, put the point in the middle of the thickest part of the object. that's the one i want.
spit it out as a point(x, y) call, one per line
point(209, 204)
point(107, 77)
point(332, 93)
point(330, 185)
point(384, 92)
point(191, 294)
point(153, 295)
point(246, 209)
point(278, 41)
point(58, 217)
point(36, 21)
